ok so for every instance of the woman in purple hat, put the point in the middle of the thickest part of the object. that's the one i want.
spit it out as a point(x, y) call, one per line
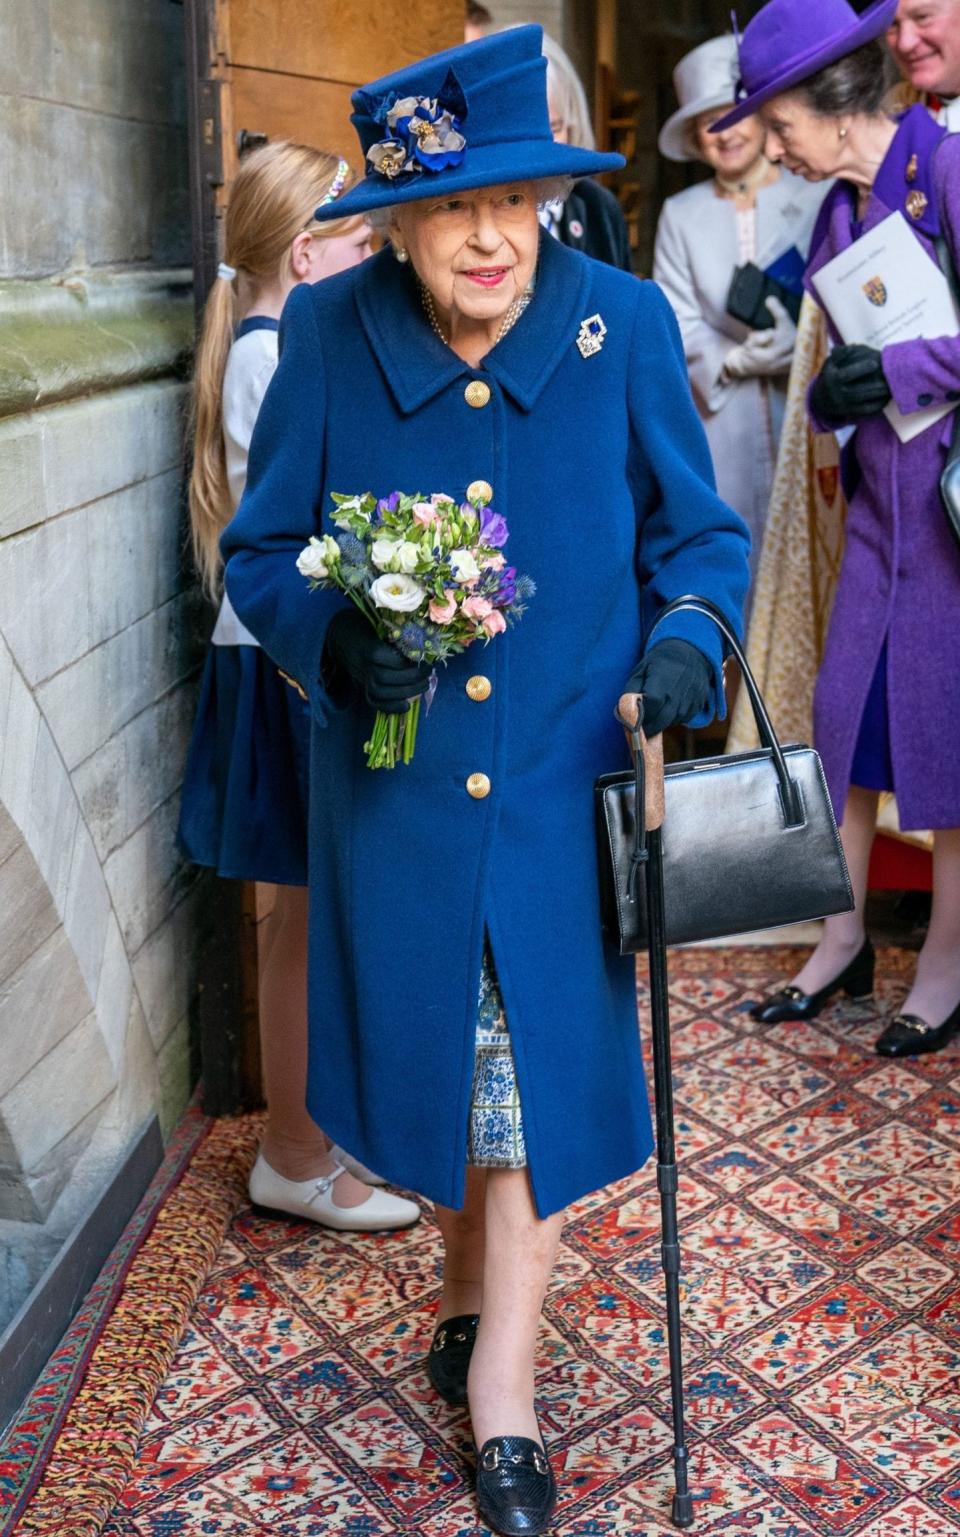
point(887, 703)
point(472, 1036)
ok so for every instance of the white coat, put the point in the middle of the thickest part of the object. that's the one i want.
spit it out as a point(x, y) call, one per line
point(695, 256)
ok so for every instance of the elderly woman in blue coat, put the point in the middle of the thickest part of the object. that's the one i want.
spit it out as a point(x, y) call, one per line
point(472, 1035)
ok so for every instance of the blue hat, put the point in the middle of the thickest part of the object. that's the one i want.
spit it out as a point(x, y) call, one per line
point(474, 116)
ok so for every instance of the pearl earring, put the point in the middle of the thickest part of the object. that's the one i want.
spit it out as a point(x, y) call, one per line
point(843, 133)
point(401, 254)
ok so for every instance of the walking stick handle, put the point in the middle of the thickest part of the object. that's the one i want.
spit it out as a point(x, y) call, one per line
point(628, 714)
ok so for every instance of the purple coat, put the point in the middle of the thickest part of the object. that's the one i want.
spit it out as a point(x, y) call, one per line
point(900, 577)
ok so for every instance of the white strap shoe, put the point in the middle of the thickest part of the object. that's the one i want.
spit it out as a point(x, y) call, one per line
point(356, 1168)
point(313, 1200)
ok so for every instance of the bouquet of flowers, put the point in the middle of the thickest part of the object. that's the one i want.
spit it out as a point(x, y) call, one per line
point(430, 575)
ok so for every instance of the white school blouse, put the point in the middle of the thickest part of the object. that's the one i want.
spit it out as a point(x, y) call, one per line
point(251, 363)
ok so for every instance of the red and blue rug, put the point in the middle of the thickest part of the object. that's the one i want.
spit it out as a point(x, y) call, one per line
point(820, 1206)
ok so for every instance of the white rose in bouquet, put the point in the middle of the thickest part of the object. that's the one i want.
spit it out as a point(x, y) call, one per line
point(464, 567)
point(398, 592)
point(351, 506)
point(383, 553)
point(313, 561)
point(408, 554)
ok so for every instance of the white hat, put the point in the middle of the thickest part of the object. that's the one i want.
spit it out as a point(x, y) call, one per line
point(706, 77)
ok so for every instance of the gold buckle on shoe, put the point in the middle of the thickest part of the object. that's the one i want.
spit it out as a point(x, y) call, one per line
point(490, 1460)
point(440, 1340)
point(540, 1462)
point(915, 1023)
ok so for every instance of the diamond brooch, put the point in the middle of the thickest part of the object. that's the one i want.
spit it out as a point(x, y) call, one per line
point(590, 336)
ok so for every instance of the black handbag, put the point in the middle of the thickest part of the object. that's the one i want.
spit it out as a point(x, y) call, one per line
point(747, 296)
point(749, 841)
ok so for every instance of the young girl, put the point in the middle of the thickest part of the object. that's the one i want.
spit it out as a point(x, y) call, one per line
point(245, 791)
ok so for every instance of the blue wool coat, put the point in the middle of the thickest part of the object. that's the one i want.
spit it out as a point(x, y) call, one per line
point(601, 468)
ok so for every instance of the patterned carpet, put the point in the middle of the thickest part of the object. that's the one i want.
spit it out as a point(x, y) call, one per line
point(69, 1451)
point(820, 1205)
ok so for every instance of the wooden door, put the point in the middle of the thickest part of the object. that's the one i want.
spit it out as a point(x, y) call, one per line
point(272, 69)
point(285, 69)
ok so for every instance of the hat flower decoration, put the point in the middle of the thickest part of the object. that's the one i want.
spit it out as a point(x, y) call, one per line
point(415, 120)
point(423, 132)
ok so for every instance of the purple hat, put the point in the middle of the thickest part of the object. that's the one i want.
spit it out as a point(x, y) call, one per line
point(787, 42)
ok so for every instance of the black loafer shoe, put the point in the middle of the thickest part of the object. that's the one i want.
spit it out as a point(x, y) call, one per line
point(907, 1035)
point(856, 980)
point(449, 1358)
point(516, 1489)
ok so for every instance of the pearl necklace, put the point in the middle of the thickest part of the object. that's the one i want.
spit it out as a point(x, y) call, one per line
point(510, 319)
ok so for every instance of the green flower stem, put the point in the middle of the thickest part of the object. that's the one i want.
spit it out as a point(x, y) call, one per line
point(410, 723)
point(393, 738)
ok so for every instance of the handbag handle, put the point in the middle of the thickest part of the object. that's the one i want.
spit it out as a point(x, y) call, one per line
point(789, 794)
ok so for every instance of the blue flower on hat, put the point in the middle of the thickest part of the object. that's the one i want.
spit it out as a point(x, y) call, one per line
point(423, 132)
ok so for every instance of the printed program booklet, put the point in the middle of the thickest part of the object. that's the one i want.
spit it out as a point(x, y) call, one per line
point(882, 289)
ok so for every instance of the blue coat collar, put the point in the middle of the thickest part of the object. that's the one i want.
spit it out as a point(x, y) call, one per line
point(418, 365)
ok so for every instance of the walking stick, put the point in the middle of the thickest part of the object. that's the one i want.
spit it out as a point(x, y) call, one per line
point(629, 711)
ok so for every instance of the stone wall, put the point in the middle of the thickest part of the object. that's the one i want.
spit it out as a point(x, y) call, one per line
point(99, 622)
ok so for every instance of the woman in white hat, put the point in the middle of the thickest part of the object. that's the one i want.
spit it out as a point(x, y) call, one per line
point(749, 211)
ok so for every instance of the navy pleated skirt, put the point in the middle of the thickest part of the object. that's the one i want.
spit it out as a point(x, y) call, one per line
point(246, 787)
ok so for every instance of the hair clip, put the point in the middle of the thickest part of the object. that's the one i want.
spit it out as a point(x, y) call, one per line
point(336, 186)
point(226, 272)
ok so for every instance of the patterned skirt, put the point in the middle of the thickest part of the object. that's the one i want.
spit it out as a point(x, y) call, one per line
point(495, 1135)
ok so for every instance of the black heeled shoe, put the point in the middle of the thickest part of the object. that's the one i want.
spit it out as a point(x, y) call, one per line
point(907, 1035)
point(516, 1489)
point(449, 1359)
point(856, 980)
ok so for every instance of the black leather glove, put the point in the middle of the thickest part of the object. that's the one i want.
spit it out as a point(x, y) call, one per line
point(388, 679)
point(676, 682)
point(850, 386)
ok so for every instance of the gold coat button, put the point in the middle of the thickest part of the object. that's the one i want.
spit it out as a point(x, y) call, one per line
point(480, 491)
point(478, 785)
point(477, 393)
point(479, 688)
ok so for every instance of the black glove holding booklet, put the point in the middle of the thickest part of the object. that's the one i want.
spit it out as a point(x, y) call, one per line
point(851, 386)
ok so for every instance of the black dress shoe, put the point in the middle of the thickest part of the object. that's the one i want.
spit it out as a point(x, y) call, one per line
point(907, 1035)
point(856, 980)
point(449, 1358)
point(516, 1489)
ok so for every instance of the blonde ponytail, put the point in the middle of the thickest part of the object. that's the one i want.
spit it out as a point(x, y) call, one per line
point(209, 496)
point(272, 201)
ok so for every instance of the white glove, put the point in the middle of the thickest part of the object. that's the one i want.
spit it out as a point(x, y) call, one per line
point(763, 352)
